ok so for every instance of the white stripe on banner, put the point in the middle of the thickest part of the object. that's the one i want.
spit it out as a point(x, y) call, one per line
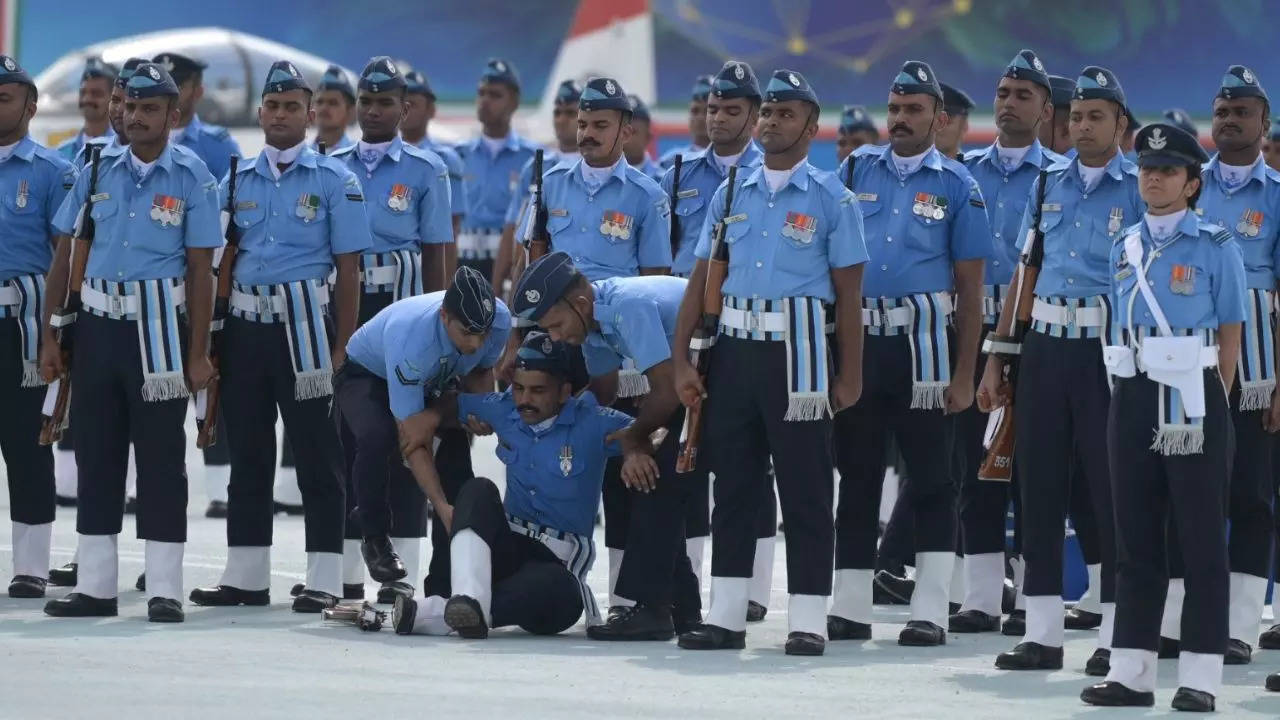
point(158, 339)
point(308, 339)
point(1257, 362)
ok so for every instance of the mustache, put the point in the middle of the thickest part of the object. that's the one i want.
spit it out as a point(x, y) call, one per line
point(526, 408)
point(589, 142)
point(903, 128)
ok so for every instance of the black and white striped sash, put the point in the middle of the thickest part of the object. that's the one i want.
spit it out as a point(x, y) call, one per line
point(1257, 366)
point(402, 280)
point(801, 324)
point(577, 552)
point(154, 305)
point(927, 335)
point(300, 305)
point(24, 301)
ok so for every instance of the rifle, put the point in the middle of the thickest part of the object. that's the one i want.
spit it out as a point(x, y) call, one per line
point(538, 239)
point(207, 421)
point(62, 319)
point(998, 464)
point(705, 333)
point(848, 173)
point(675, 198)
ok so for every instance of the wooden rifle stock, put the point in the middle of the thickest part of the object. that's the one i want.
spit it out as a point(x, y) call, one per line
point(207, 423)
point(539, 239)
point(705, 333)
point(53, 423)
point(997, 466)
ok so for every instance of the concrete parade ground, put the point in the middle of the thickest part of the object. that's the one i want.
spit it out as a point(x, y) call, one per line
point(269, 662)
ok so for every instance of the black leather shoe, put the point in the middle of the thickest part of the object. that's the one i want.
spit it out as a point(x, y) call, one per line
point(684, 621)
point(1238, 653)
point(26, 586)
point(287, 509)
point(616, 611)
point(381, 558)
point(141, 584)
point(217, 509)
point(803, 643)
point(1270, 639)
point(164, 610)
point(1273, 682)
point(64, 501)
point(403, 614)
point(839, 628)
point(1192, 700)
point(1169, 649)
point(713, 637)
point(638, 623)
point(922, 633)
point(64, 576)
point(131, 506)
point(227, 596)
point(1030, 656)
point(81, 605)
point(1099, 663)
point(756, 611)
point(313, 601)
point(387, 594)
point(1077, 619)
point(1008, 597)
point(1113, 694)
point(297, 589)
point(466, 617)
point(972, 621)
point(899, 589)
point(1015, 625)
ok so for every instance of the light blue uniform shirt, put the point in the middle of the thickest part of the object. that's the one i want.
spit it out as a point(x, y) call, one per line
point(1198, 277)
point(1080, 227)
point(457, 191)
point(82, 157)
point(406, 196)
point(1006, 192)
point(132, 242)
point(33, 183)
point(669, 158)
point(785, 244)
point(406, 344)
point(1251, 212)
point(553, 477)
point(637, 318)
point(609, 231)
point(70, 148)
point(211, 143)
point(343, 142)
point(700, 175)
point(292, 227)
point(490, 180)
point(917, 226)
point(650, 168)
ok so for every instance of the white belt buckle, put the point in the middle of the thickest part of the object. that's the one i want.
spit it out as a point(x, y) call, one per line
point(117, 305)
point(265, 305)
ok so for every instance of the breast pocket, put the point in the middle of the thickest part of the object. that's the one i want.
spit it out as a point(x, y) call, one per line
point(395, 217)
point(21, 203)
point(559, 225)
point(688, 207)
point(803, 249)
point(927, 234)
point(246, 219)
point(618, 228)
point(734, 234)
point(507, 454)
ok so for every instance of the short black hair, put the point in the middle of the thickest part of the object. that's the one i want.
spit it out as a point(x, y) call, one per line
point(1194, 173)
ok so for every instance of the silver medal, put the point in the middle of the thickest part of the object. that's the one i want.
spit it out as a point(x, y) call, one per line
point(917, 209)
point(22, 200)
point(938, 213)
point(156, 213)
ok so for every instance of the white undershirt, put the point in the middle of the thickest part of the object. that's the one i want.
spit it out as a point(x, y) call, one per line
point(1090, 175)
point(1011, 158)
point(277, 157)
point(494, 144)
point(371, 153)
point(139, 167)
point(775, 179)
point(1161, 227)
point(595, 177)
point(6, 151)
point(1233, 176)
point(727, 161)
point(908, 165)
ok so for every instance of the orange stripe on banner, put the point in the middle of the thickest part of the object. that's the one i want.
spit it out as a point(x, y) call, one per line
point(595, 14)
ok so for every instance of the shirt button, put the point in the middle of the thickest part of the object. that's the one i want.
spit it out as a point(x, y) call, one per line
point(119, 273)
point(275, 214)
point(271, 239)
point(1006, 179)
point(770, 204)
point(759, 264)
point(582, 229)
point(1072, 253)
point(764, 233)
point(591, 198)
point(895, 211)
point(139, 186)
point(888, 239)
point(366, 175)
point(125, 243)
point(1084, 196)
point(997, 234)
point(1071, 281)
point(999, 204)
point(996, 263)
point(902, 184)
point(884, 267)
point(131, 214)
point(1077, 224)
point(277, 184)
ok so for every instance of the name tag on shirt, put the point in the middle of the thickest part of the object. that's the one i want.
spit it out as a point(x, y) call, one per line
point(868, 197)
point(99, 197)
point(1051, 207)
point(246, 205)
point(558, 212)
point(687, 193)
point(735, 218)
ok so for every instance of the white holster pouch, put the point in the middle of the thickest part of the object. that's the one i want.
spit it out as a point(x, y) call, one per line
point(1119, 360)
point(1170, 360)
